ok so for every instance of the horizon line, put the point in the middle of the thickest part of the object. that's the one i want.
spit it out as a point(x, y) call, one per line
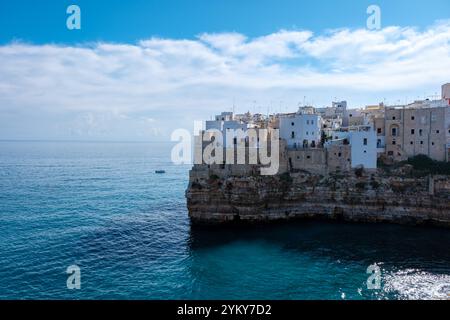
point(87, 141)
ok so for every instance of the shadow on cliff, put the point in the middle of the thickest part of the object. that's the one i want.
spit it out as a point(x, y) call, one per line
point(410, 247)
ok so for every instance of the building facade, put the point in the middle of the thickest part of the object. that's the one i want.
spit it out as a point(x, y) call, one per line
point(446, 92)
point(301, 130)
point(363, 145)
point(417, 129)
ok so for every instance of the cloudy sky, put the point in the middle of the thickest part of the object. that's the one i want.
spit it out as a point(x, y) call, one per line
point(137, 71)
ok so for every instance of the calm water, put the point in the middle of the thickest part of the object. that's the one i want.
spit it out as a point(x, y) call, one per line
point(102, 207)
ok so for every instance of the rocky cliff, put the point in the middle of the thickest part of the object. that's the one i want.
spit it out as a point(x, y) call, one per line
point(354, 196)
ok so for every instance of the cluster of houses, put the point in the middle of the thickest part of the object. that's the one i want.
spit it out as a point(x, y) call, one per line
point(337, 137)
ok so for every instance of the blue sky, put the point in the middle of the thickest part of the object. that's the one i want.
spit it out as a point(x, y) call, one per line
point(139, 69)
point(132, 20)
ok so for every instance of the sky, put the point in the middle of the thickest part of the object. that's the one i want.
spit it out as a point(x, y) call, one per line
point(137, 70)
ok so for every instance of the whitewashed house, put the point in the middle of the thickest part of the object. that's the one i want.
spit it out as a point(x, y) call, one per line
point(301, 129)
point(228, 126)
point(363, 142)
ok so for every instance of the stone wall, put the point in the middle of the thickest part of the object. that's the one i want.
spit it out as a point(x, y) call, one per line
point(339, 158)
point(313, 160)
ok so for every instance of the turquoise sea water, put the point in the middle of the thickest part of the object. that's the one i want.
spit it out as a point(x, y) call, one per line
point(102, 207)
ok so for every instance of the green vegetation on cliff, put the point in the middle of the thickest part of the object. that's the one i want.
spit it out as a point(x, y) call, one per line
point(427, 165)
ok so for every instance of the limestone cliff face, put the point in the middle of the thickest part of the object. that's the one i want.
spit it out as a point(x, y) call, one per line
point(353, 196)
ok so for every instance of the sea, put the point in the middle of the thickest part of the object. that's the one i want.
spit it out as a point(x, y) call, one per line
point(100, 206)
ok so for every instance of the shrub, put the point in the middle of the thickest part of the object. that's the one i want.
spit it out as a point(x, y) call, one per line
point(374, 184)
point(429, 166)
point(360, 185)
point(286, 177)
point(214, 177)
point(398, 188)
point(359, 172)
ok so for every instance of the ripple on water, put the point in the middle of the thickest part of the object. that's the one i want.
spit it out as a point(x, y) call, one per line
point(101, 206)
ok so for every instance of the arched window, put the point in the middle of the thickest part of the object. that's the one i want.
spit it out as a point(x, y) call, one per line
point(394, 130)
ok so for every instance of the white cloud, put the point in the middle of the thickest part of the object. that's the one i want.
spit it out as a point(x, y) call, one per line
point(127, 91)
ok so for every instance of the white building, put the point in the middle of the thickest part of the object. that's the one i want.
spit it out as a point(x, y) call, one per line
point(301, 130)
point(230, 130)
point(363, 142)
point(341, 111)
point(227, 124)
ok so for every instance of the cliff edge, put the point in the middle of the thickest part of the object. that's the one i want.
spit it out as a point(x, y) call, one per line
point(220, 196)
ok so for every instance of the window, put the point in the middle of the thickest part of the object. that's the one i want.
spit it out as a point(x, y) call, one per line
point(437, 131)
point(394, 142)
point(393, 118)
point(292, 135)
point(379, 130)
point(413, 118)
point(412, 142)
point(312, 133)
point(308, 157)
point(394, 132)
point(307, 132)
point(413, 131)
point(307, 121)
point(390, 153)
point(365, 141)
point(421, 142)
point(339, 154)
point(432, 143)
point(420, 132)
point(312, 121)
point(293, 124)
point(365, 151)
point(305, 143)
